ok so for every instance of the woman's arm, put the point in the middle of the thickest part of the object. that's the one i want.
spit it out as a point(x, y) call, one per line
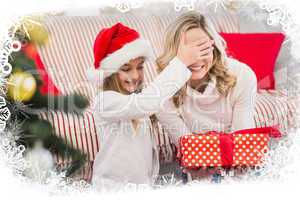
point(245, 99)
point(110, 105)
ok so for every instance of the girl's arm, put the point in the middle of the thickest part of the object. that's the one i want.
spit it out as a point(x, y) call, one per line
point(110, 105)
point(172, 122)
point(244, 106)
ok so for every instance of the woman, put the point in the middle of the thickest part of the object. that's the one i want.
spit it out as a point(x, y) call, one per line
point(221, 92)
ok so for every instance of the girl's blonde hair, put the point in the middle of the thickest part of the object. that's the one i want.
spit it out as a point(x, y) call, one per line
point(188, 21)
point(112, 83)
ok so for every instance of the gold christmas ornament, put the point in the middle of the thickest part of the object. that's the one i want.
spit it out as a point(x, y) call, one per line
point(21, 86)
point(35, 30)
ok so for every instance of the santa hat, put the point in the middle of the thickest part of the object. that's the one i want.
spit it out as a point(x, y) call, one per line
point(114, 47)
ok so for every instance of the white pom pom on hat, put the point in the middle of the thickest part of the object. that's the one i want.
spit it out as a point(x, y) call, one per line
point(95, 75)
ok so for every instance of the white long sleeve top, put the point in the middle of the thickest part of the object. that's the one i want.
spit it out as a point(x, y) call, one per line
point(209, 110)
point(129, 155)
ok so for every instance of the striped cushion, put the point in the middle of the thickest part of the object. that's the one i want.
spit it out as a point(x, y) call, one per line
point(79, 131)
point(275, 108)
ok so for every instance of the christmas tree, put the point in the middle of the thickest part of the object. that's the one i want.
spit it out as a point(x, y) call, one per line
point(30, 90)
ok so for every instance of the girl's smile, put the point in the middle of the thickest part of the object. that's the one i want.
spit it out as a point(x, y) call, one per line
point(131, 75)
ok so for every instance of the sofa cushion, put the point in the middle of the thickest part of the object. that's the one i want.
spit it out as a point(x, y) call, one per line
point(259, 51)
point(274, 107)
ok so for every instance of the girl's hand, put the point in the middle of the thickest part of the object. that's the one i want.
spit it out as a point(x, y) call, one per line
point(191, 53)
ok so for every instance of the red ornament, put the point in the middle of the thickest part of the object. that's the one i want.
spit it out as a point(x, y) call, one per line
point(48, 87)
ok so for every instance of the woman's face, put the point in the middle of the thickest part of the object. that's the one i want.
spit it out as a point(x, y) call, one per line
point(201, 68)
point(131, 75)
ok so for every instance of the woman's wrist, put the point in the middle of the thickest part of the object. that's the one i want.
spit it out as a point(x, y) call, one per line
point(178, 63)
point(181, 60)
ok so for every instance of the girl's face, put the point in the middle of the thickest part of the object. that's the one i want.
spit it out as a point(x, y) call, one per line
point(201, 68)
point(131, 75)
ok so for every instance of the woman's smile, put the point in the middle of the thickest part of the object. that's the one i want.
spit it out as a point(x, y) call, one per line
point(196, 68)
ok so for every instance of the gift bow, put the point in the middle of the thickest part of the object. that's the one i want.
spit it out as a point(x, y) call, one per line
point(227, 141)
point(227, 144)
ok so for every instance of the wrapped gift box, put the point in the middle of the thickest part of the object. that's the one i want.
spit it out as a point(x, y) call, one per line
point(217, 149)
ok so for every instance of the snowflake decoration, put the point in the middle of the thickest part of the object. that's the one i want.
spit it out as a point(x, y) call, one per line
point(167, 180)
point(126, 6)
point(4, 113)
point(58, 183)
point(3, 88)
point(14, 131)
point(13, 156)
point(229, 5)
point(180, 4)
point(225, 173)
point(7, 47)
point(278, 15)
point(217, 4)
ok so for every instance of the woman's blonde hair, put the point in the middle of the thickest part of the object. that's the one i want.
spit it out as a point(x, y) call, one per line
point(225, 80)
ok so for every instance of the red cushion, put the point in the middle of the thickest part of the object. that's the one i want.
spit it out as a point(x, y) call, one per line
point(259, 51)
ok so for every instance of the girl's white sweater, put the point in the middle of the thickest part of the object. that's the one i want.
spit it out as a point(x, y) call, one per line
point(127, 155)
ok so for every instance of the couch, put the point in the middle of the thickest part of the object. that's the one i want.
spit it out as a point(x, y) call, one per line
point(69, 53)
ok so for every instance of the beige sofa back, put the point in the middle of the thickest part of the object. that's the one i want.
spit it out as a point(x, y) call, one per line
point(70, 49)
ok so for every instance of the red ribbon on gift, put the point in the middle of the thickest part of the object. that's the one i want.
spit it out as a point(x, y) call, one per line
point(272, 131)
point(227, 141)
point(227, 144)
point(226, 147)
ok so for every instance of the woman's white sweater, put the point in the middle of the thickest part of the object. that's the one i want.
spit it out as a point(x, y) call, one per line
point(209, 110)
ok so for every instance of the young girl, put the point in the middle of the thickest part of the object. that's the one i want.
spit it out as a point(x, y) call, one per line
point(122, 110)
point(220, 94)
